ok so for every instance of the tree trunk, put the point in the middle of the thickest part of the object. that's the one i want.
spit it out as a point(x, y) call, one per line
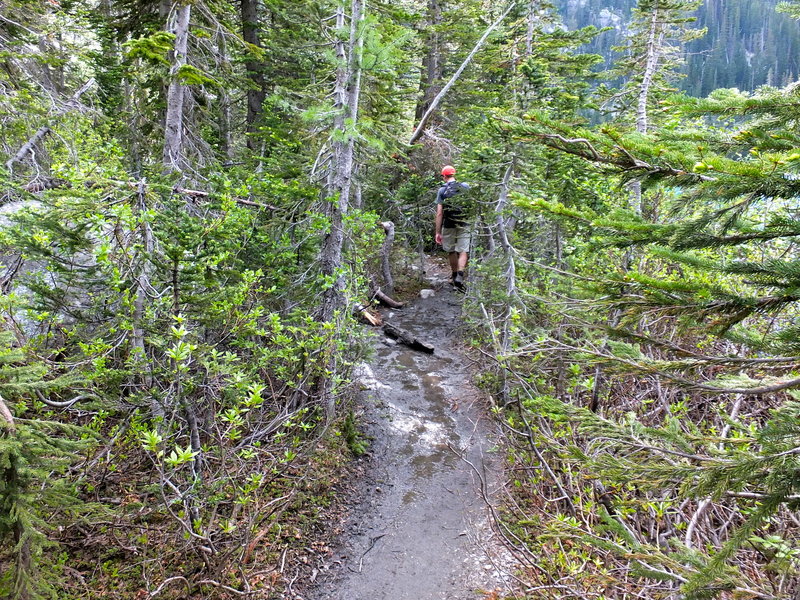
point(358, 195)
point(347, 90)
point(134, 130)
point(256, 93)
point(24, 558)
point(143, 283)
point(431, 62)
point(532, 19)
point(47, 75)
point(511, 276)
point(6, 416)
point(225, 118)
point(173, 157)
point(13, 485)
point(386, 255)
point(346, 96)
point(407, 339)
point(655, 39)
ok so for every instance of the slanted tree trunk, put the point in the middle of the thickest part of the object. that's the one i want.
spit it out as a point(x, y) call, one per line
point(30, 145)
point(431, 80)
point(423, 121)
point(256, 93)
point(173, 157)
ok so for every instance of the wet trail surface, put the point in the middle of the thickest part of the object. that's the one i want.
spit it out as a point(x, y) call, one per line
point(421, 529)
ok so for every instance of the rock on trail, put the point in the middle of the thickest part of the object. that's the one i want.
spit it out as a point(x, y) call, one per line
point(422, 530)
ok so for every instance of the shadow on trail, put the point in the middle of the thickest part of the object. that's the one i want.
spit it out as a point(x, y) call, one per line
point(422, 530)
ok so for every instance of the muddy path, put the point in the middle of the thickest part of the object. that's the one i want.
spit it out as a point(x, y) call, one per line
point(420, 528)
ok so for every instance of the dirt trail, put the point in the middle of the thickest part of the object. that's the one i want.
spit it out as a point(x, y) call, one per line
point(421, 530)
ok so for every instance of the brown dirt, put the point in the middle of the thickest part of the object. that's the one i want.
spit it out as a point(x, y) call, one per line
point(419, 526)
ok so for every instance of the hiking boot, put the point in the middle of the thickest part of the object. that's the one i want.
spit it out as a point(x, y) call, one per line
point(458, 281)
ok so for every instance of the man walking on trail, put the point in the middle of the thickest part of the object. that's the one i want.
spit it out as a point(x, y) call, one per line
point(453, 229)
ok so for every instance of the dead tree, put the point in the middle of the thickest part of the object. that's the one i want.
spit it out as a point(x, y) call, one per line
point(173, 157)
point(143, 285)
point(423, 122)
point(510, 274)
point(29, 146)
point(346, 95)
point(386, 254)
point(432, 61)
point(255, 68)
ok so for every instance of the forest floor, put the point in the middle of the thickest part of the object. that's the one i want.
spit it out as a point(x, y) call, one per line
point(418, 523)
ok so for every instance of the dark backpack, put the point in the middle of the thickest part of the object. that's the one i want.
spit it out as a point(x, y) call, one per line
point(454, 212)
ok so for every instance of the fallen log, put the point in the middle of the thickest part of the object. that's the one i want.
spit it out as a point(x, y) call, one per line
point(406, 338)
point(386, 300)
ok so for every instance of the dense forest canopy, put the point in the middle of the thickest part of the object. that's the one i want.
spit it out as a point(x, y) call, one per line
point(201, 200)
point(747, 43)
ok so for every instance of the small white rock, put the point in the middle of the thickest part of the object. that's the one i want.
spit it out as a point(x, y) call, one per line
point(426, 293)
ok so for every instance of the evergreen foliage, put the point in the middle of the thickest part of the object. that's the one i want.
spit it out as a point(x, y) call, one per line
point(32, 450)
point(172, 330)
point(702, 323)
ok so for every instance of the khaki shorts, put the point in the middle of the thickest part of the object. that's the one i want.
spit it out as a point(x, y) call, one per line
point(457, 239)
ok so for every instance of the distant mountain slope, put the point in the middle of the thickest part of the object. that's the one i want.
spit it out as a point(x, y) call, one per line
point(748, 44)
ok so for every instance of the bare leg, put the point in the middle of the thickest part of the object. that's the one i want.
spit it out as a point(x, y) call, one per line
point(454, 261)
point(463, 257)
point(461, 264)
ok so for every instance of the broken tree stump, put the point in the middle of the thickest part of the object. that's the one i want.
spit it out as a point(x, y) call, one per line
point(366, 315)
point(406, 338)
point(386, 253)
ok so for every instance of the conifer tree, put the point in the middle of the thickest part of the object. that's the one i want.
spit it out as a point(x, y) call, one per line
point(31, 451)
point(653, 53)
point(710, 270)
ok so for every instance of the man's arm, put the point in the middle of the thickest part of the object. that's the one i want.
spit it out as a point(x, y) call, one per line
point(439, 214)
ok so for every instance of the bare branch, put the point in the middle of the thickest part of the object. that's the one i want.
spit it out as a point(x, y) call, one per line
point(6, 415)
point(28, 147)
point(423, 122)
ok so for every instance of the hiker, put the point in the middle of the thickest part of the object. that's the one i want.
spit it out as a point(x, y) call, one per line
point(453, 229)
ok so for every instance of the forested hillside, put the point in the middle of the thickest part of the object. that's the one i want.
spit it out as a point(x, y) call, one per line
point(202, 202)
point(747, 43)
